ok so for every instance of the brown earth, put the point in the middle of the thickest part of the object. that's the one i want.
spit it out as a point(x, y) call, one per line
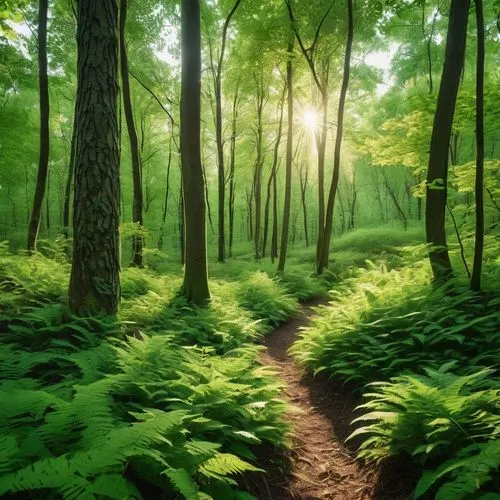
point(320, 465)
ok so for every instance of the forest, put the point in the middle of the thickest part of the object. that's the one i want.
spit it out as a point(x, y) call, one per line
point(250, 249)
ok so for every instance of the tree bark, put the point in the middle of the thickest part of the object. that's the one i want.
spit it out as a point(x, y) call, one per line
point(138, 239)
point(195, 286)
point(324, 250)
point(95, 275)
point(437, 174)
point(289, 157)
point(479, 240)
point(43, 163)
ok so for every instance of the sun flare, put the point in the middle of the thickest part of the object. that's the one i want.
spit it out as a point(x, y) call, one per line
point(310, 119)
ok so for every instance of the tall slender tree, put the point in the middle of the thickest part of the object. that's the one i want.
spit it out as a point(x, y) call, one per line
point(217, 76)
point(95, 274)
point(437, 173)
point(324, 245)
point(195, 286)
point(43, 162)
point(289, 158)
point(137, 217)
point(478, 246)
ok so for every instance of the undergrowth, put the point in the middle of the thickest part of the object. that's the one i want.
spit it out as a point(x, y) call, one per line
point(434, 352)
point(168, 399)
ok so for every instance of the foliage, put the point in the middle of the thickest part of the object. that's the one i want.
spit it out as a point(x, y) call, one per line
point(265, 299)
point(382, 323)
point(442, 420)
point(97, 407)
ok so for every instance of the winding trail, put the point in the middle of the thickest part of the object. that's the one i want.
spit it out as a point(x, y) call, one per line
point(320, 465)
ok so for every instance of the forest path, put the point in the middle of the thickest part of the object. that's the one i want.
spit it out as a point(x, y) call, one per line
point(321, 466)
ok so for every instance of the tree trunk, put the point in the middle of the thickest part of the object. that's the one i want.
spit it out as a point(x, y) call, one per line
point(324, 252)
point(138, 239)
point(289, 157)
point(272, 174)
point(259, 164)
point(218, 136)
point(274, 237)
point(95, 275)
point(479, 242)
point(69, 178)
point(232, 167)
point(195, 286)
point(167, 192)
point(43, 164)
point(437, 174)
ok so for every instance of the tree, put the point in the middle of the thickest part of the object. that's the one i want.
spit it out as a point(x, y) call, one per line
point(43, 164)
point(95, 274)
point(217, 75)
point(324, 241)
point(137, 218)
point(289, 159)
point(195, 286)
point(478, 246)
point(437, 173)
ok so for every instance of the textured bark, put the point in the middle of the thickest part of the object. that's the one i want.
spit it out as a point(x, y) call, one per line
point(289, 157)
point(195, 286)
point(437, 174)
point(324, 249)
point(274, 237)
point(137, 218)
point(43, 163)
point(479, 242)
point(303, 192)
point(95, 274)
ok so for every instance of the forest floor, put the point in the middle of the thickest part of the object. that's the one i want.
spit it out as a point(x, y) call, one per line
point(320, 465)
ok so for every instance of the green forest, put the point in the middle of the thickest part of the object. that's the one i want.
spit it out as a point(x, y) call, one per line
point(250, 249)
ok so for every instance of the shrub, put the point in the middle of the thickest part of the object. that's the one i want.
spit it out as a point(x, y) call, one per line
point(265, 299)
point(383, 323)
point(432, 418)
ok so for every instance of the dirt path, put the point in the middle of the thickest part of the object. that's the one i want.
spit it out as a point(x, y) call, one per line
point(320, 465)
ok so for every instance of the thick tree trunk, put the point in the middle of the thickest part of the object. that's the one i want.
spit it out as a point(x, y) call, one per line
point(138, 239)
point(289, 157)
point(195, 286)
point(437, 174)
point(324, 252)
point(95, 275)
point(43, 165)
point(478, 246)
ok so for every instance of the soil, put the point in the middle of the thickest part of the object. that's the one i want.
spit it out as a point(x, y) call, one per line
point(320, 465)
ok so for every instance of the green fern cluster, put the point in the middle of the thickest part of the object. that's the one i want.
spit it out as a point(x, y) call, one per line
point(171, 418)
point(96, 408)
point(445, 421)
point(382, 323)
point(265, 299)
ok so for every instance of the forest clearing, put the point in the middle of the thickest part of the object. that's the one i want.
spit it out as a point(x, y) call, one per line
point(250, 249)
